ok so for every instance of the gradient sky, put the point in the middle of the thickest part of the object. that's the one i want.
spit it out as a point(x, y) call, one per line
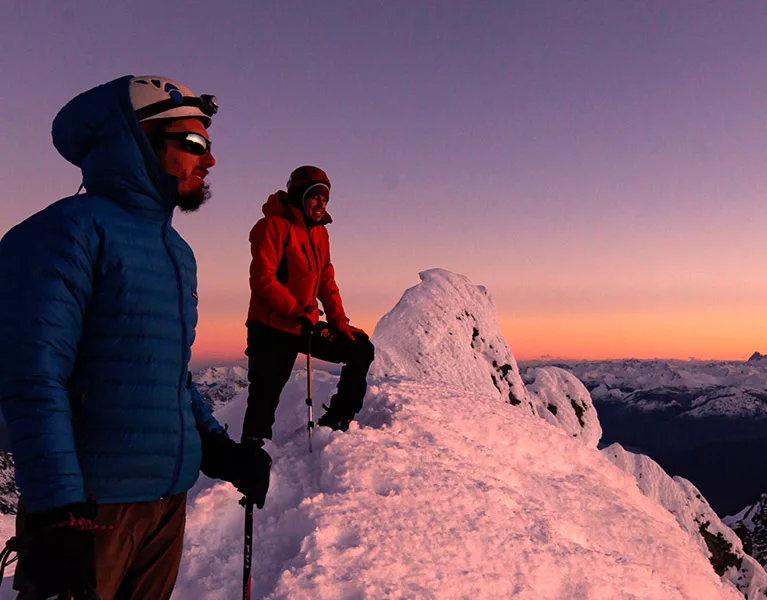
point(598, 165)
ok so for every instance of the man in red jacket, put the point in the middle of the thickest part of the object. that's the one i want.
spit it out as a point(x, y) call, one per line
point(289, 272)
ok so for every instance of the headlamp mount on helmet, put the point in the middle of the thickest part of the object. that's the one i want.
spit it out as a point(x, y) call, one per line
point(154, 97)
point(206, 103)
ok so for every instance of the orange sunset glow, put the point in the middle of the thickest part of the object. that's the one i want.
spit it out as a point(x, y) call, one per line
point(606, 184)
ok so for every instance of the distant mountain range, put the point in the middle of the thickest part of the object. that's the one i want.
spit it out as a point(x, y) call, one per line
point(218, 385)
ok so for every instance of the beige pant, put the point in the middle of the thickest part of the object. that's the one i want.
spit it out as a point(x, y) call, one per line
point(139, 557)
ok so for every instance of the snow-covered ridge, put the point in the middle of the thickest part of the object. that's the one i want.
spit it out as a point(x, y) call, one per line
point(448, 322)
point(418, 342)
point(439, 493)
point(418, 338)
point(445, 330)
point(704, 420)
point(445, 487)
point(694, 515)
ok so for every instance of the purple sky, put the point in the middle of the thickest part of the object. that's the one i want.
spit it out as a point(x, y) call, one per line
point(598, 165)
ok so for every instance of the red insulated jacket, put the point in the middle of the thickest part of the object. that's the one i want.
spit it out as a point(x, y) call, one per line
point(290, 268)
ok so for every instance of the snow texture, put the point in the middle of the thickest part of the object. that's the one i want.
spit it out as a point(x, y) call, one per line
point(419, 500)
point(567, 403)
point(445, 330)
point(451, 337)
point(441, 489)
point(694, 515)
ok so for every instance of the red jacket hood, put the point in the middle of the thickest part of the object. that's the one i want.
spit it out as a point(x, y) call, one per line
point(278, 205)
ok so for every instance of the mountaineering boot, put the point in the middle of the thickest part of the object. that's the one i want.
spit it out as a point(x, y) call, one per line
point(333, 420)
point(252, 442)
point(254, 428)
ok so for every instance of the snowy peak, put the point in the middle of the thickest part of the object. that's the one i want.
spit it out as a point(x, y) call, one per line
point(445, 330)
point(218, 385)
point(756, 356)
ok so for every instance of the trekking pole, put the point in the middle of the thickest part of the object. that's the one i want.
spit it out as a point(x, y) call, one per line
point(310, 424)
point(248, 554)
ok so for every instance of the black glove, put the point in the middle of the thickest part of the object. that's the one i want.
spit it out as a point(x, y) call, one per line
point(57, 552)
point(252, 479)
point(309, 317)
point(246, 466)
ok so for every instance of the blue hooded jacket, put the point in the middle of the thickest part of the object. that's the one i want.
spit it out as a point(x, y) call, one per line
point(97, 320)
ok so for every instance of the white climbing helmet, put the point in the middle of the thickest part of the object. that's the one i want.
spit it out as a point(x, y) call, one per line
point(156, 97)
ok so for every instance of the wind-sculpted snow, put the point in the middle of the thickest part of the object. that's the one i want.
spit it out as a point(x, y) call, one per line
point(439, 493)
point(695, 517)
point(567, 402)
point(445, 329)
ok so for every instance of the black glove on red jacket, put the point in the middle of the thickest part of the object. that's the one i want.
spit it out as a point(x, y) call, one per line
point(245, 466)
point(308, 318)
point(57, 552)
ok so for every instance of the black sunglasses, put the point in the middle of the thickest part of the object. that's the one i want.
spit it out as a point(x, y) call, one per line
point(190, 141)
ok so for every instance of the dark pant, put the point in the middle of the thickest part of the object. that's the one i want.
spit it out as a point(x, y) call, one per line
point(271, 355)
point(139, 557)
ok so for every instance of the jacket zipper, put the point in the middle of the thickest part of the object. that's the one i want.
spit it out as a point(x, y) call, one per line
point(306, 254)
point(183, 373)
point(316, 262)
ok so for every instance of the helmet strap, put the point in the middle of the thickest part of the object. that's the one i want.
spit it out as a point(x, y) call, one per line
point(156, 108)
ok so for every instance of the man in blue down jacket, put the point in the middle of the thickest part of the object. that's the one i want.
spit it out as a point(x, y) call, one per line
point(97, 320)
